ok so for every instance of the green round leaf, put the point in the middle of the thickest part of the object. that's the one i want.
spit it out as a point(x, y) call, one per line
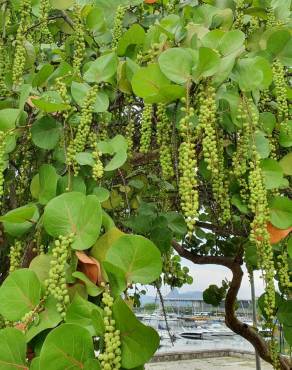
point(49, 318)
point(85, 159)
point(12, 350)
point(281, 212)
point(41, 266)
point(117, 161)
point(286, 164)
point(48, 179)
point(74, 213)
point(101, 193)
point(137, 256)
point(136, 350)
point(231, 42)
point(272, 172)
point(176, 64)
point(102, 69)
point(268, 121)
point(45, 132)
point(92, 289)
point(80, 313)
point(253, 73)
point(135, 35)
point(67, 346)
point(8, 118)
point(208, 64)
point(285, 313)
point(20, 215)
point(148, 81)
point(19, 294)
point(19, 228)
point(285, 137)
point(62, 4)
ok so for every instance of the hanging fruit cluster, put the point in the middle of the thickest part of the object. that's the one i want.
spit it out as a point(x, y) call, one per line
point(188, 183)
point(15, 255)
point(174, 274)
point(213, 150)
point(78, 143)
point(110, 358)
point(118, 25)
point(20, 50)
point(56, 283)
point(164, 134)
point(79, 42)
point(146, 128)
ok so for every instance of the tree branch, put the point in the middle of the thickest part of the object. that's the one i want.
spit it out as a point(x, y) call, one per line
point(219, 230)
point(238, 327)
point(202, 260)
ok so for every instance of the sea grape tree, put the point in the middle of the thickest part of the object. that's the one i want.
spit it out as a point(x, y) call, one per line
point(134, 133)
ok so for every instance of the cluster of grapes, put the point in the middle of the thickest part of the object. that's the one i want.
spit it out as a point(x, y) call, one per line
point(44, 32)
point(254, 25)
point(146, 128)
point(2, 163)
point(188, 184)
point(97, 169)
point(24, 156)
point(221, 184)
point(163, 135)
point(273, 347)
point(78, 144)
point(20, 51)
point(56, 283)
point(61, 88)
point(265, 101)
point(15, 256)
point(3, 61)
point(174, 274)
point(271, 20)
point(130, 127)
point(150, 55)
point(103, 125)
point(259, 235)
point(281, 88)
point(207, 124)
point(129, 135)
point(247, 158)
point(239, 14)
point(110, 358)
point(213, 149)
point(243, 137)
point(118, 25)
point(79, 41)
point(284, 273)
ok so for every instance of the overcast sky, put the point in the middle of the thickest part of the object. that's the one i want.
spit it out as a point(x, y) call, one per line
point(204, 275)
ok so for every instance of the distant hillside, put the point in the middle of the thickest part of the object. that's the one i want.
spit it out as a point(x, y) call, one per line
point(174, 293)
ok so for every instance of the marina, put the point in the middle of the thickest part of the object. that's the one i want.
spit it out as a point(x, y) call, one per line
point(190, 342)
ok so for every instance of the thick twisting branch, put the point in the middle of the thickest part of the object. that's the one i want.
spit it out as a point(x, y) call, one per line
point(202, 260)
point(240, 328)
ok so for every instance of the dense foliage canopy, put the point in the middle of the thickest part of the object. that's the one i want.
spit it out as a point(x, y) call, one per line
point(133, 133)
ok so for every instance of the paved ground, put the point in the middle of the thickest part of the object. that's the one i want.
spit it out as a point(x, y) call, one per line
point(222, 363)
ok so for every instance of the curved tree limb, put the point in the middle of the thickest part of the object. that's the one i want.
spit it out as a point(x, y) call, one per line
point(231, 320)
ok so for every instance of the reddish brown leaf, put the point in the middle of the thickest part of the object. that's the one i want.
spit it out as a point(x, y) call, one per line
point(89, 266)
point(276, 235)
point(150, 1)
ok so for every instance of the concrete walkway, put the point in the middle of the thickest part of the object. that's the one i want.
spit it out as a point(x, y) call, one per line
point(218, 363)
